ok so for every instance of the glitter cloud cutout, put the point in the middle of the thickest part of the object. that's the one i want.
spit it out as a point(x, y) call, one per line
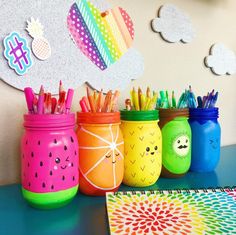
point(173, 24)
point(67, 62)
point(221, 60)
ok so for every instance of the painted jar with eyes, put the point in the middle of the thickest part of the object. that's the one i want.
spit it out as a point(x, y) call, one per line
point(176, 145)
point(143, 146)
point(49, 160)
point(205, 139)
point(101, 148)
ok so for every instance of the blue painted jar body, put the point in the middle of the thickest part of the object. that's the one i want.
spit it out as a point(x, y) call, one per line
point(205, 139)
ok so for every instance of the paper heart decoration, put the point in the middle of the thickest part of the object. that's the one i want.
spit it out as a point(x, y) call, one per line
point(102, 36)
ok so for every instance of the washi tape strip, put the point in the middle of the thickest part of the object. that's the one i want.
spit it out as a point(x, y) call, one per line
point(102, 37)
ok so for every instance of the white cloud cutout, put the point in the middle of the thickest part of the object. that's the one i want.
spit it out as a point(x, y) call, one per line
point(67, 62)
point(221, 60)
point(173, 24)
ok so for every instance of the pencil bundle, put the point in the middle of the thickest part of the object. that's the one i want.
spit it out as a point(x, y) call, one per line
point(141, 101)
point(44, 103)
point(97, 102)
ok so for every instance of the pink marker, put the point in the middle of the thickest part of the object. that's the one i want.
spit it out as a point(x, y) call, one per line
point(69, 98)
point(29, 96)
point(41, 101)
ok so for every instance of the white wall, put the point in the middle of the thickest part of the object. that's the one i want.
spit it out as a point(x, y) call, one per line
point(167, 66)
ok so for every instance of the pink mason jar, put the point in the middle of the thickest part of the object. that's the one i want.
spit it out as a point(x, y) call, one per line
point(49, 160)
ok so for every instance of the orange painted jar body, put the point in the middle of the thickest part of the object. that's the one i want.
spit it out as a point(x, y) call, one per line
point(101, 148)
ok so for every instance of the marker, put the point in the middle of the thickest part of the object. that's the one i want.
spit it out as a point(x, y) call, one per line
point(69, 98)
point(29, 96)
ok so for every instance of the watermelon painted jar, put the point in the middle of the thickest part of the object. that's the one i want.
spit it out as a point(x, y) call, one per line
point(49, 156)
point(143, 147)
point(101, 163)
point(176, 142)
point(205, 139)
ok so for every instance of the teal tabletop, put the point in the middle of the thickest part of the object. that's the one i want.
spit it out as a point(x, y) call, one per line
point(87, 215)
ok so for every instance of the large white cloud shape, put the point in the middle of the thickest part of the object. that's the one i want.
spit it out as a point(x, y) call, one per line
point(221, 60)
point(67, 62)
point(173, 24)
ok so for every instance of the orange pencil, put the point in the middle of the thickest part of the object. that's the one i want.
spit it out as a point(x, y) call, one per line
point(114, 101)
point(139, 97)
point(99, 102)
point(91, 101)
point(107, 102)
point(148, 93)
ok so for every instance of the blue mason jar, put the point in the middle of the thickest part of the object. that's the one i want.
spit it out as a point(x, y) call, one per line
point(205, 139)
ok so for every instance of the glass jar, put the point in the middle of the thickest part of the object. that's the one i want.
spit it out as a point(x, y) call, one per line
point(176, 144)
point(142, 147)
point(101, 164)
point(49, 160)
point(205, 139)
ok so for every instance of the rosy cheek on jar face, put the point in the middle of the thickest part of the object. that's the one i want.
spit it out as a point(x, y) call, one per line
point(106, 160)
point(146, 153)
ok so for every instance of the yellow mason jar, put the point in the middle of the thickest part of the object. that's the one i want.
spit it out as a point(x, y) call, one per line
point(142, 147)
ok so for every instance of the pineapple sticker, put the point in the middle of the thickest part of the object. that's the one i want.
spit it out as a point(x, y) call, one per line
point(40, 45)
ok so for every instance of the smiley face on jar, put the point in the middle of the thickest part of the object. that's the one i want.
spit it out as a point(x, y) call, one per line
point(181, 145)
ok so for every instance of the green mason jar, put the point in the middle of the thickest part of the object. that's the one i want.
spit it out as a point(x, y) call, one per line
point(176, 142)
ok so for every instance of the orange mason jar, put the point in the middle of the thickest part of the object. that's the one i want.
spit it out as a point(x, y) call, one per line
point(101, 151)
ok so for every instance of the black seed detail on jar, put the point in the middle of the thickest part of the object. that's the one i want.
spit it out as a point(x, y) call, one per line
point(63, 177)
point(72, 140)
point(36, 175)
point(52, 187)
point(23, 156)
point(43, 185)
point(55, 141)
point(28, 164)
point(72, 164)
point(41, 163)
point(75, 152)
point(26, 142)
point(32, 154)
point(50, 173)
point(50, 154)
point(65, 147)
point(29, 184)
point(73, 178)
point(39, 142)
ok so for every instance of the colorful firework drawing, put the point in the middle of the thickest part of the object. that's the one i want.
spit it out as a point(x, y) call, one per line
point(172, 212)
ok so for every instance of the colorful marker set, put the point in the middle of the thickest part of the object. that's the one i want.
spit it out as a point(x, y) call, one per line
point(187, 100)
point(207, 101)
point(44, 103)
point(97, 102)
point(140, 101)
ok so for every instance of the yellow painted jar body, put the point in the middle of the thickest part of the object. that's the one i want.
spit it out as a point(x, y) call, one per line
point(142, 147)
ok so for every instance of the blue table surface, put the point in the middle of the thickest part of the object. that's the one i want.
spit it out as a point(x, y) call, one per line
point(87, 215)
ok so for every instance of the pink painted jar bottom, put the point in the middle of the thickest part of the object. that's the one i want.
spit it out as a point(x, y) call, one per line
point(49, 157)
